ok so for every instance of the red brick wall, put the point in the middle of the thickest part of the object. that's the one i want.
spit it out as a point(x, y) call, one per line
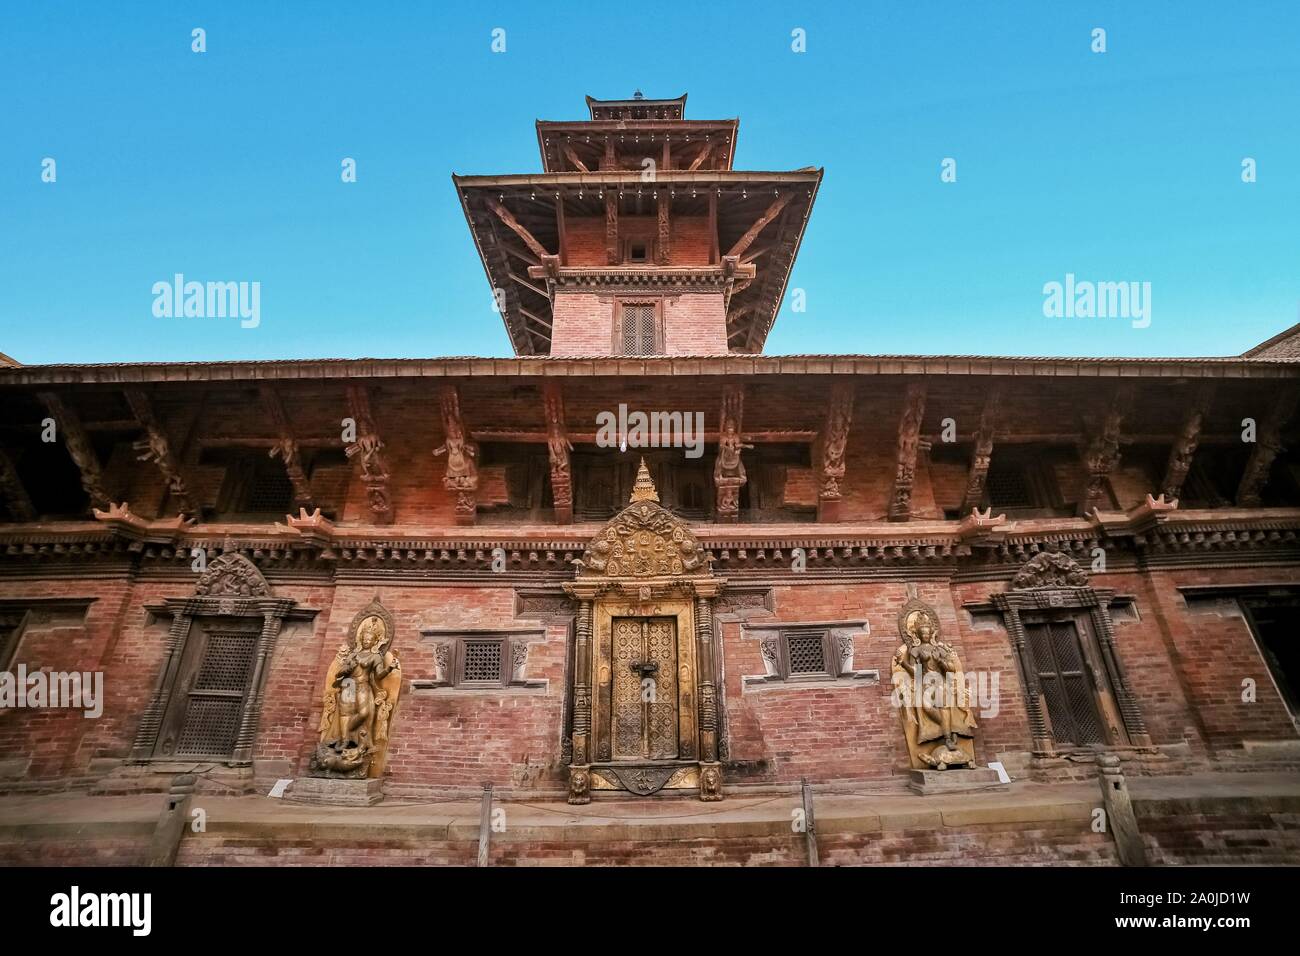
point(694, 324)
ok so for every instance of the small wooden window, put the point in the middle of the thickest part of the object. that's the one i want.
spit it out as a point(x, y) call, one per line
point(482, 662)
point(807, 654)
point(637, 328)
point(638, 251)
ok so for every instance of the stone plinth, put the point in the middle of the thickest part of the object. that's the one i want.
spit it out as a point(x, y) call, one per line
point(336, 791)
point(928, 782)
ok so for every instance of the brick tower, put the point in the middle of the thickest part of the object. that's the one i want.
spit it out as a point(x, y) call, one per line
point(638, 237)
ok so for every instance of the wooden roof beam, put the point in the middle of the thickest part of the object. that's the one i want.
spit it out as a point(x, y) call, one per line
point(773, 210)
point(512, 223)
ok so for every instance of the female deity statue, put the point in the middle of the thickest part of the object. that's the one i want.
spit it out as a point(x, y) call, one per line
point(930, 693)
point(361, 690)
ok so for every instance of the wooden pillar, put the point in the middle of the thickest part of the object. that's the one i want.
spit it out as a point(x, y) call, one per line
point(909, 441)
point(247, 734)
point(146, 734)
point(582, 683)
point(707, 675)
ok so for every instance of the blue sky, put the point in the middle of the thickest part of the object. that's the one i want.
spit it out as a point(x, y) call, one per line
point(1119, 166)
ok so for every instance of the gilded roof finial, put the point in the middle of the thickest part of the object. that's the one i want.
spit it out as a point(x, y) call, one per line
point(644, 488)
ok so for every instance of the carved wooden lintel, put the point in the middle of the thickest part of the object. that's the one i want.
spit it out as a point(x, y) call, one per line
point(1102, 453)
point(909, 441)
point(367, 448)
point(1189, 436)
point(558, 447)
point(728, 469)
point(79, 447)
point(286, 449)
point(1268, 443)
point(12, 492)
point(833, 441)
point(461, 476)
point(977, 477)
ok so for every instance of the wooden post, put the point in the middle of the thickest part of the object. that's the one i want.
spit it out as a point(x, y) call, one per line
point(809, 824)
point(485, 826)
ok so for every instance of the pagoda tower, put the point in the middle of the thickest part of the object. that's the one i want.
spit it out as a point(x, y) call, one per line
point(638, 237)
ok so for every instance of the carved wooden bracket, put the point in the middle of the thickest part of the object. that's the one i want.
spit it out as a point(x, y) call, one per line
point(664, 244)
point(461, 476)
point(367, 447)
point(977, 477)
point(1268, 443)
point(728, 470)
point(558, 446)
point(833, 441)
point(753, 231)
point(1102, 453)
point(909, 440)
point(287, 448)
point(155, 447)
point(12, 491)
point(1189, 436)
point(79, 447)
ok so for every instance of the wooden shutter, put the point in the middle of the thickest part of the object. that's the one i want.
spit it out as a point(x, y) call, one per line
point(638, 328)
point(1063, 677)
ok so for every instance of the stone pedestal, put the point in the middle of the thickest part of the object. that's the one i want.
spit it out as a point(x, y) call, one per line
point(336, 791)
point(929, 782)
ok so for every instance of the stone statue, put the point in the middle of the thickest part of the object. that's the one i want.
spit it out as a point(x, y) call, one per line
point(361, 690)
point(930, 694)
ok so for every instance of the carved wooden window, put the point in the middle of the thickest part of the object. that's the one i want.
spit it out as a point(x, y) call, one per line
point(482, 662)
point(806, 654)
point(637, 328)
point(1022, 482)
point(1065, 682)
point(478, 660)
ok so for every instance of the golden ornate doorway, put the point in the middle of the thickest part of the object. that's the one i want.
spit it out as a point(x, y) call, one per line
point(644, 695)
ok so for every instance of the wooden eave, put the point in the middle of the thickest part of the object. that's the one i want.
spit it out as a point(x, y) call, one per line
point(530, 200)
point(681, 131)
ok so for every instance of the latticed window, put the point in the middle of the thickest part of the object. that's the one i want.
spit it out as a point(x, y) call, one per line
point(482, 662)
point(806, 654)
point(1009, 485)
point(215, 699)
point(638, 329)
point(269, 492)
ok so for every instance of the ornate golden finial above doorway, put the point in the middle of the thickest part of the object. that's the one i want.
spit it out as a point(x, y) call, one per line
point(644, 488)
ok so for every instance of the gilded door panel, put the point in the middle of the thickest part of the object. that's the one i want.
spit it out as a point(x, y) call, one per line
point(626, 704)
point(661, 708)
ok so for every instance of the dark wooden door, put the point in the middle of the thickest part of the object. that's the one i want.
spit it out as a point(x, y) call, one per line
point(212, 683)
point(1065, 682)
